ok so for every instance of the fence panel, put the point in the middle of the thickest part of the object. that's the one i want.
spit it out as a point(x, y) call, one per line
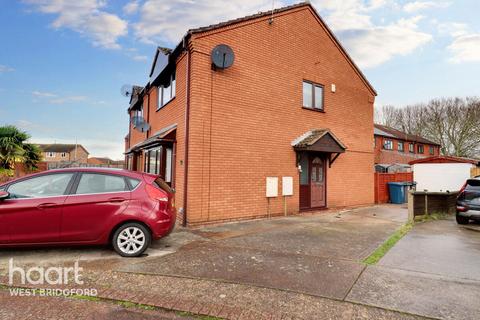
point(474, 172)
point(382, 180)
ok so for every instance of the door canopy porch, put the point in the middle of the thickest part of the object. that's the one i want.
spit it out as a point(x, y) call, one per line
point(320, 140)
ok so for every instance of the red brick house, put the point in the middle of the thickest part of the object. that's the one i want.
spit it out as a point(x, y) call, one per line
point(293, 107)
point(393, 147)
point(57, 153)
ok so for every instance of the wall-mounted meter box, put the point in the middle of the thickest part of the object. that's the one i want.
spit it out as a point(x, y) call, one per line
point(287, 186)
point(272, 187)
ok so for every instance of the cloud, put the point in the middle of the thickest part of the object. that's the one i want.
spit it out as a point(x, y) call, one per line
point(67, 99)
point(370, 44)
point(374, 46)
point(43, 94)
point(87, 18)
point(54, 98)
point(131, 7)
point(140, 58)
point(423, 5)
point(167, 21)
point(465, 48)
point(30, 126)
point(455, 29)
point(4, 68)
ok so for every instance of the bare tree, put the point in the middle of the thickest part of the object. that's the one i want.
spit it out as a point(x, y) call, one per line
point(452, 122)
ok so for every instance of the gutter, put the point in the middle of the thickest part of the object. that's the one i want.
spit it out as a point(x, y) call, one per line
point(187, 130)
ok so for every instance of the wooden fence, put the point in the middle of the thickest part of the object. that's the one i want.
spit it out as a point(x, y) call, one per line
point(474, 172)
point(382, 180)
point(21, 171)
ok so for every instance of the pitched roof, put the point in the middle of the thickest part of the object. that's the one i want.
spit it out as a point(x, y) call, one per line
point(56, 147)
point(277, 11)
point(381, 130)
point(446, 159)
point(134, 97)
point(181, 45)
point(326, 141)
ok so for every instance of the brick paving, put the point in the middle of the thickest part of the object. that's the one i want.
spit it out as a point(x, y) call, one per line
point(58, 308)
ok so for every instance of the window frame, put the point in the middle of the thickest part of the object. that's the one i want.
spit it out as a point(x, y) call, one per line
point(173, 91)
point(74, 188)
point(401, 143)
point(411, 147)
point(385, 144)
point(431, 150)
point(51, 154)
point(422, 147)
point(313, 85)
point(68, 189)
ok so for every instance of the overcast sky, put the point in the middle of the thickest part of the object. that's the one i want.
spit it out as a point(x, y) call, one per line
point(62, 63)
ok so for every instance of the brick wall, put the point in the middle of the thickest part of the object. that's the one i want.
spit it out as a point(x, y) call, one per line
point(81, 156)
point(171, 113)
point(383, 156)
point(244, 119)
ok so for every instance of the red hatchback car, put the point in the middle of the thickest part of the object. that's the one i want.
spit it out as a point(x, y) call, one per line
point(86, 206)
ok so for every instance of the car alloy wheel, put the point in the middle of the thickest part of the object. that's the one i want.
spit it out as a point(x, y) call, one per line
point(131, 240)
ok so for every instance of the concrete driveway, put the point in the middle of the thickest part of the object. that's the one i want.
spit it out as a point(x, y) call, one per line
point(318, 255)
point(295, 266)
point(433, 271)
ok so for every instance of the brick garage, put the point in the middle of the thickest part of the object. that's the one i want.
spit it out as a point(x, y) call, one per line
point(242, 120)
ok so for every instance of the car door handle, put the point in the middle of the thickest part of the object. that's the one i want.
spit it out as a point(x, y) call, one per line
point(117, 200)
point(46, 205)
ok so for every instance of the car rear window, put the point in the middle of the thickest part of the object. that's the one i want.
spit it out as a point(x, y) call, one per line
point(133, 182)
point(472, 190)
point(163, 185)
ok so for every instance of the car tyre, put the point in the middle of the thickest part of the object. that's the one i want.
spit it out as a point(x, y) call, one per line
point(462, 219)
point(131, 239)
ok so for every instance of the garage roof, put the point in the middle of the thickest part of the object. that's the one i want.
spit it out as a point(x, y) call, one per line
point(446, 159)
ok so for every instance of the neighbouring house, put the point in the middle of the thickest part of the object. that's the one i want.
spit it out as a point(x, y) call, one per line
point(56, 153)
point(395, 149)
point(442, 173)
point(291, 116)
point(105, 162)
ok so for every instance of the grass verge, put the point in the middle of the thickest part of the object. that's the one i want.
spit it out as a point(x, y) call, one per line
point(388, 244)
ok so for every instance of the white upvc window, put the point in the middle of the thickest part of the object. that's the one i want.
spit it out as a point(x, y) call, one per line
point(50, 154)
point(167, 91)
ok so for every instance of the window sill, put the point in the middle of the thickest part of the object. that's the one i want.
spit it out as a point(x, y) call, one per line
point(312, 109)
point(166, 104)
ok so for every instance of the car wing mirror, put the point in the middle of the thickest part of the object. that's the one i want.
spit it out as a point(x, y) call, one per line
point(4, 195)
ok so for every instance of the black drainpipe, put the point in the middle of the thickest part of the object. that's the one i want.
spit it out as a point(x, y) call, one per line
point(187, 129)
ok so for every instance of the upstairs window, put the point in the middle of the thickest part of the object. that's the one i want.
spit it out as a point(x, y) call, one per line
point(431, 150)
point(411, 148)
point(138, 113)
point(63, 155)
point(401, 147)
point(167, 90)
point(50, 154)
point(388, 145)
point(420, 149)
point(312, 95)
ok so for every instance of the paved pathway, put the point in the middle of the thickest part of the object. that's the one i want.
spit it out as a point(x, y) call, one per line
point(433, 271)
